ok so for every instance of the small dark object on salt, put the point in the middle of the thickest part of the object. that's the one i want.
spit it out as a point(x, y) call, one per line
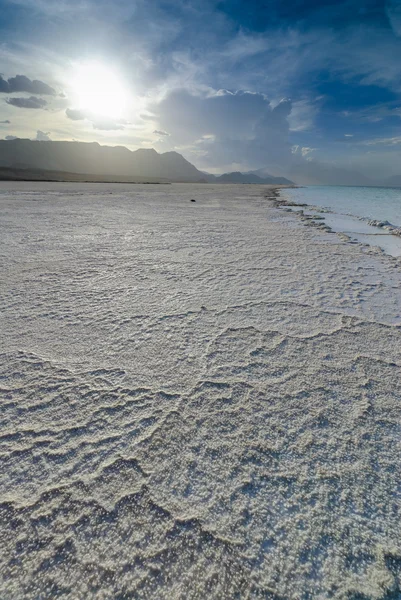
point(192, 200)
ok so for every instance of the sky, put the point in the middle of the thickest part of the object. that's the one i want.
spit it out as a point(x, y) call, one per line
point(289, 87)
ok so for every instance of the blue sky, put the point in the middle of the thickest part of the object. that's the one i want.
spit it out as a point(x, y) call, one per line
point(230, 84)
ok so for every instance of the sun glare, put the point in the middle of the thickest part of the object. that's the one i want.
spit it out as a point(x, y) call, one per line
point(98, 90)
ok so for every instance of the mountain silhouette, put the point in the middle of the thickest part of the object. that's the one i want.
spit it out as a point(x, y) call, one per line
point(81, 157)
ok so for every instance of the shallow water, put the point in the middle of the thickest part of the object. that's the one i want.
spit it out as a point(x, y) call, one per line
point(367, 203)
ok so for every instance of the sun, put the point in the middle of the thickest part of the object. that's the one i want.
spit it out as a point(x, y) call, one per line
point(97, 89)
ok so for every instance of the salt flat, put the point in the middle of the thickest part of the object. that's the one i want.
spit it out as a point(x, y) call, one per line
point(199, 400)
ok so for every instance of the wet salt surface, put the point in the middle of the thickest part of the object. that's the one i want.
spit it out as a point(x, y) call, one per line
point(360, 231)
point(349, 210)
point(198, 400)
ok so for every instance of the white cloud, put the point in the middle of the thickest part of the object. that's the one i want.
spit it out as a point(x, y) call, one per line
point(98, 122)
point(302, 116)
point(302, 151)
point(393, 9)
point(245, 45)
point(226, 128)
point(75, 115)
point(305, 150)
point(42, 136)
point(393, 141)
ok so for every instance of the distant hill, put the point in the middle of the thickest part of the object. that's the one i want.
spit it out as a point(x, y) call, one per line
point(272, 179)
point(237, 177)
point(66, 161)
point(80, 157)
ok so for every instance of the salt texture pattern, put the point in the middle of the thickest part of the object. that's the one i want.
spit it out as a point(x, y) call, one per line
point(198, 400)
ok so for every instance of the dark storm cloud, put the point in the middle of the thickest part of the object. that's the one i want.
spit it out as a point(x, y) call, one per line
point(21, 83)
point(4, 87)
point(31, 102)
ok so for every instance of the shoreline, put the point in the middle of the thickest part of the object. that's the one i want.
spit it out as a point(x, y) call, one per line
point(318, 221)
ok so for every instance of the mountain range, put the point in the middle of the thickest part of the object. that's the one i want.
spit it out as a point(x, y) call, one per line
point(80, 157)
point(251, 177)
point(118, 163)
point(108, 162)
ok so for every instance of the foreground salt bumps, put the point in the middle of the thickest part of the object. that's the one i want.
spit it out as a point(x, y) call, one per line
point(198, 400)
